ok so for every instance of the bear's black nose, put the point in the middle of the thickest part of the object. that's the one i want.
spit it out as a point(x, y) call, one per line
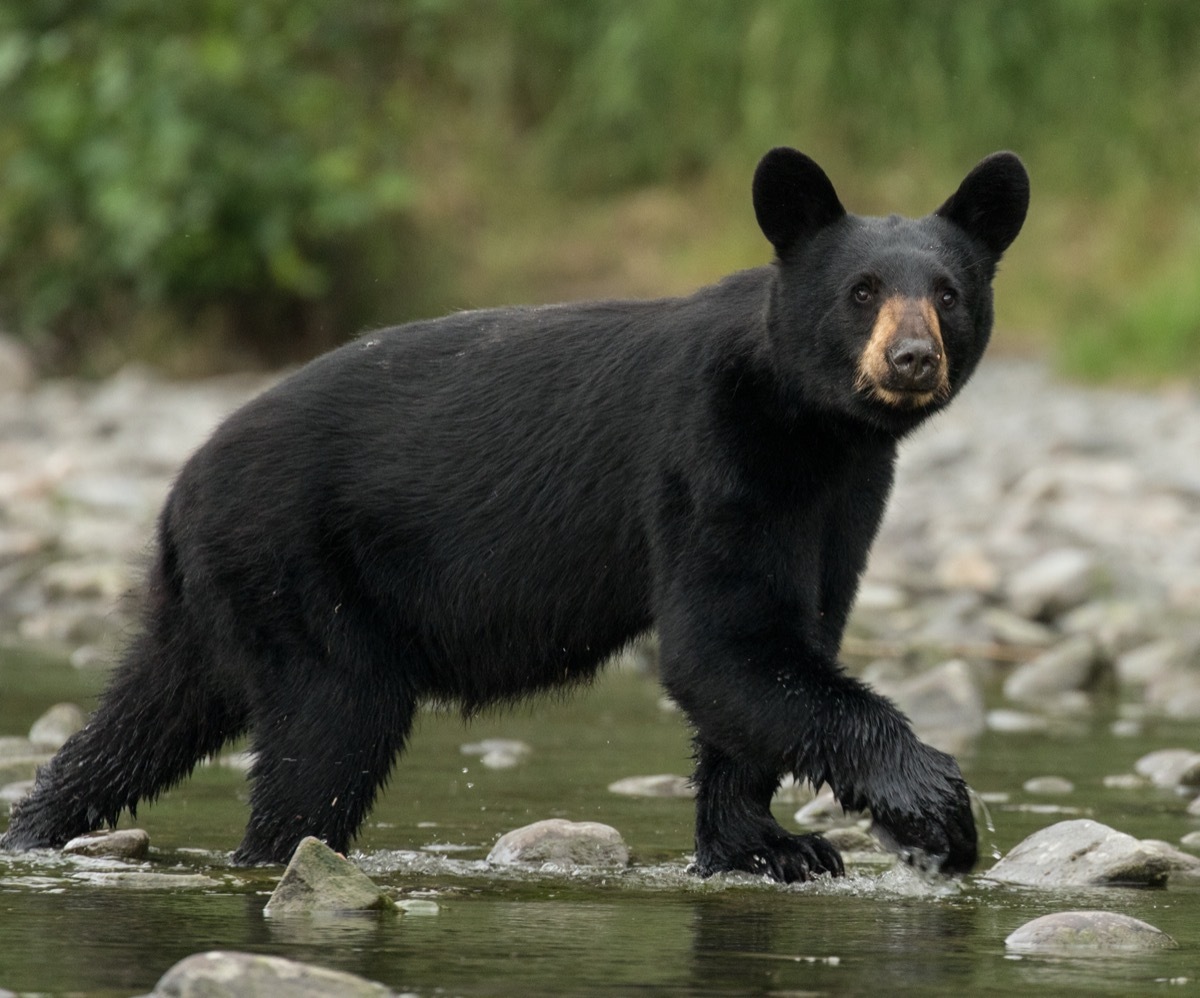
point(915, 363)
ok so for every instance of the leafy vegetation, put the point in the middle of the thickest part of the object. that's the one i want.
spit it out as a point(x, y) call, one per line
point(273, 174)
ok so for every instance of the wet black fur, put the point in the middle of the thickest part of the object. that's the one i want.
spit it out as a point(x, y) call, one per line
point(480, 507)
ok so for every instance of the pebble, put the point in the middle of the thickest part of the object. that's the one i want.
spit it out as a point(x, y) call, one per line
point(561, 844)
point(1065, 933)
point(227, 974)
point(318, 879)
point(1081, 853)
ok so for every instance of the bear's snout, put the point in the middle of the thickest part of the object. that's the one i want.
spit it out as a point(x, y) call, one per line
point(904, 361)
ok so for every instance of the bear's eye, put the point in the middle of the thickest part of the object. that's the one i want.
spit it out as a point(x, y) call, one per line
point(861, 293)
point(948, 298)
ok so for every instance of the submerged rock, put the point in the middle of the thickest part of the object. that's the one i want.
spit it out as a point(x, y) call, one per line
point(1087, 932)
point(226, 974)
point(1048, 785)
point(1081, 853)
point(318, 879)
point(561, 843)
point(120, 843)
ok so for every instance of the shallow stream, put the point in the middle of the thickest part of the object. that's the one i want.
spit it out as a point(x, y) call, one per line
point(104, 928)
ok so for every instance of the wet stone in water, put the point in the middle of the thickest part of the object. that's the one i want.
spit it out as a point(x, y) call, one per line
point(561, 843)
point(121, 843)
point(1087, 932)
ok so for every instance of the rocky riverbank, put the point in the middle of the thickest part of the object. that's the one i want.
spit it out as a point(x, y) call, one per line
point(1031, 511)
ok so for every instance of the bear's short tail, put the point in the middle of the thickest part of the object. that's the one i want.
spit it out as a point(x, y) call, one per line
point(161, 713)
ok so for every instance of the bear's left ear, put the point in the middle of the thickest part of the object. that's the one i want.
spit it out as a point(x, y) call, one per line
point(792, 198)
point(990, 204)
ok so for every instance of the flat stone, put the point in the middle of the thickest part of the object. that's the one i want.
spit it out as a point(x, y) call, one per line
point(561, 843)
point(120, 843)
point(1087, 932)
point(1080, 853)
point(318, 879)
point(227, 974)
point(58, 724)
point(659, 785)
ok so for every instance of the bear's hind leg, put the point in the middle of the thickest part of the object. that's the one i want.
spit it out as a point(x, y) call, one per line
point(161, 713)
point(321, 757)
point(735, 829)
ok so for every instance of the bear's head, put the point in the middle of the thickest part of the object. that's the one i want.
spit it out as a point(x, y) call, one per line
point(882, 319)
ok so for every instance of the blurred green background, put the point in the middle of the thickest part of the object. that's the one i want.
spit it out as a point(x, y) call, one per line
point(222, 183)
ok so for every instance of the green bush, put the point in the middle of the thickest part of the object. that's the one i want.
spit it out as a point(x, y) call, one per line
point(213, 162)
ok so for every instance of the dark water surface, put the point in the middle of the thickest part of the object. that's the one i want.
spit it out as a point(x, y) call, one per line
point(99, 928)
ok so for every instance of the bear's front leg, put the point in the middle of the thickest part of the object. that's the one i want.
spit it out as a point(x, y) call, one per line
point(735, 830)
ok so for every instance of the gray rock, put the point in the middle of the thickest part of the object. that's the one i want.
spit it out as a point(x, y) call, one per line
point(943, 703)
point(1086, 932)
point(851, 838)
point(561, 843)
point(1191, 839)
point(1115, 625)
point(318, 879)
point(1056, 582)
point(1008, 628)
point(58, 724)
point(1081, 853)
point(1149, 662)
point(1182, 863)
point(226, 974)
point(659, 785)
point(1171, 768)
point(1175, 694)
point(1194, 807)
point(121, 843)
point(1074, 664)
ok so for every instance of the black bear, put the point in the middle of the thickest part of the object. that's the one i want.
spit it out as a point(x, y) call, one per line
point(483, 506)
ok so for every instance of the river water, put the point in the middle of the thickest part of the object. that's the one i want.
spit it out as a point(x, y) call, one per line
point(101, 927)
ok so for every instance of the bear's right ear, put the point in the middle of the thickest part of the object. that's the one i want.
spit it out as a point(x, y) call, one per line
point(793, 198)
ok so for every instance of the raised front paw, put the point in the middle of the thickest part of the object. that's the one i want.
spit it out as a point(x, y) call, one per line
point(924, 813)
point(782, 857)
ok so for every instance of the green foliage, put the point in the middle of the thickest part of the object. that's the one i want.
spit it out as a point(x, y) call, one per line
point(186, 159)
point(264, 167)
